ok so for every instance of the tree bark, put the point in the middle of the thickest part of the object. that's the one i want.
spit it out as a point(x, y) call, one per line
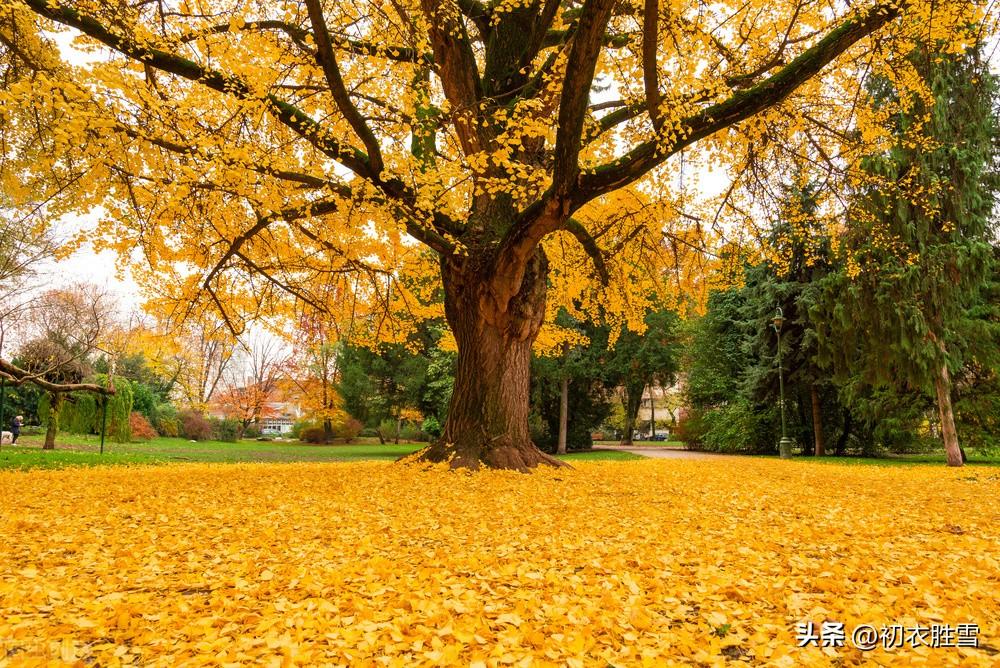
point(55, 406)
point(942, 383)
point(563, 416)
point(633, 399)
point(652, 413)
point(820, 449)
point(487, 422)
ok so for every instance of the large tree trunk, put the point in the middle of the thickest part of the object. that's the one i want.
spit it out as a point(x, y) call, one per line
point(55, 406)
point(942, 383)
point(820, 449)
point(487, 421)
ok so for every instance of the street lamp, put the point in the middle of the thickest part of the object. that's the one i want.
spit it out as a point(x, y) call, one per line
point(785, 444)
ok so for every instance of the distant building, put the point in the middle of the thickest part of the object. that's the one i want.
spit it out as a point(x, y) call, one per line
point(277, 418)
point(281, 417)
point(663, 403)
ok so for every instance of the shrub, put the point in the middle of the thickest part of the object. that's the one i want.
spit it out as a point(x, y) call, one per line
point(168, 427)
point(312, 434)
point(297, 428)
point(251, 431)
point(227, 429)
point(141, 429)
point(690, 429)
point(411, 432)
point(194, 426)
point(387, 429)
point(740, 427)
point(432, 427)
point(165, 420)
point(348, 430)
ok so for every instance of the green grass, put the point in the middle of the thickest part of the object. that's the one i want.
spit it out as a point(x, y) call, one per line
point(600, 455)
point(74, 450)
point(932, 459)
point(644, 444)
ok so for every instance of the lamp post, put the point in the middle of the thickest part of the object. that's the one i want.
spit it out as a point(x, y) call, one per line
point(785, 444)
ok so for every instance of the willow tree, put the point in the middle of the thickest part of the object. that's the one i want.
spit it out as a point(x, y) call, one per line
point(247, 152)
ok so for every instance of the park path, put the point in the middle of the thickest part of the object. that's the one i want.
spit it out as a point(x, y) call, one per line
point(663, 453)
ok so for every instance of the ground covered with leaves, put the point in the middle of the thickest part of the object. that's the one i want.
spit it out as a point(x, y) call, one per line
point(620, 563)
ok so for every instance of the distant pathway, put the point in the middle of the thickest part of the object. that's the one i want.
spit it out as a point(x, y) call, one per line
point(662, 453)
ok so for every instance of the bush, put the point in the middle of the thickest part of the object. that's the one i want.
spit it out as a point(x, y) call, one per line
point(194, 426)
point(432, 427)
point(348, 430)
point(141, 429)
point(297, 428)
point(312, 434)
point(165, 420)
point(690, 429)
point(411, 432)
point(387, 429)
point(252, 431)
point(168, 427)
point(740, 427)
point(226, 430)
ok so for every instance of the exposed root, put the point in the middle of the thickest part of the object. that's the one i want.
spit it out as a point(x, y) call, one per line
point(521, 458)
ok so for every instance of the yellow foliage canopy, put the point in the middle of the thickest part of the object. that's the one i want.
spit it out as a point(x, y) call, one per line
point(636, 563)
point(243, 152)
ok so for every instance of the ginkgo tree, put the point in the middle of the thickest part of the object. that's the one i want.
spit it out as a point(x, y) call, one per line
point(249, 155)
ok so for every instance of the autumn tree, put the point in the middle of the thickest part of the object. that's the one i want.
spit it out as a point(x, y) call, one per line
point(254, 150)
point(316, 371)
point(251, 385)
point(62, 329)
point(197, 355)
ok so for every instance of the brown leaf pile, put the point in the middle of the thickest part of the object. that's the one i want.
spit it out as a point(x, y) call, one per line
point(634, 563)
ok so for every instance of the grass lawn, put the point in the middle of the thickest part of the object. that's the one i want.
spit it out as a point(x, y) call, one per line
point(74, 450)
point(934, 458)
point(643, 444)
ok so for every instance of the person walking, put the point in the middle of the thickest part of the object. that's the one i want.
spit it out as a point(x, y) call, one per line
point(15, 428)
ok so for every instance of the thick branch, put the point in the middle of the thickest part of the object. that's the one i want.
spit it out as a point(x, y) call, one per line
point(18, 376)
point(476, 11)
point(403, 54)
point(328, 61)
point(650, 75)
point(576, 92)
point(739, 107)
point(576, 228)
point(456, 66)
point(288, 114)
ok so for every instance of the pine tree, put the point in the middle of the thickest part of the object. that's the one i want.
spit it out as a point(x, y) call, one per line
point(917, 245)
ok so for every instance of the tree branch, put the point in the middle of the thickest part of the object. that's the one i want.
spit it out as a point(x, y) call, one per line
point(576, 228)
point(18, 376)
point(288, 114)
point(327, 59)
point(738, 107)
point(650, 75)
point(576, 92)
point(403, 54)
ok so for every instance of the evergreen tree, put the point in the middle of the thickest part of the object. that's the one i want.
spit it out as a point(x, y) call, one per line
point(918, 251)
